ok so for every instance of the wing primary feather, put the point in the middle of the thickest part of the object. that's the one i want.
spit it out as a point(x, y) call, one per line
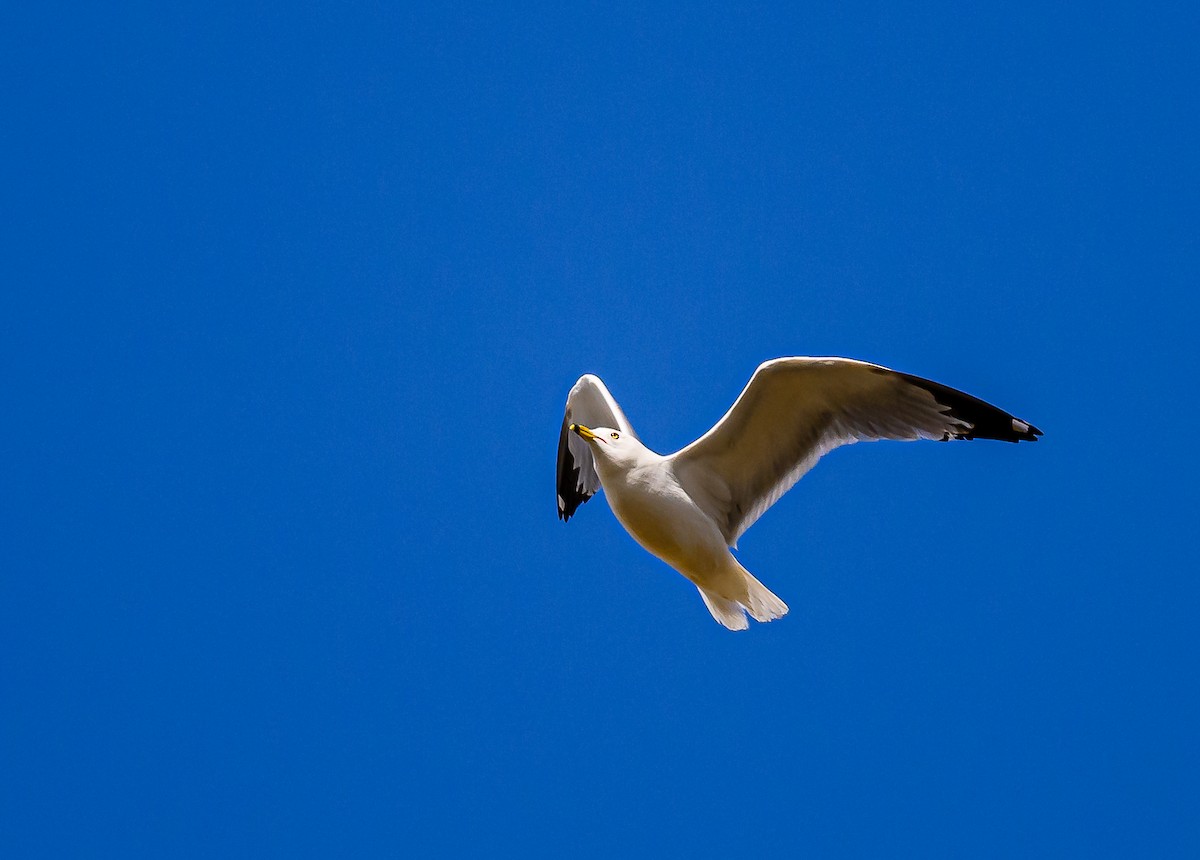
point(588, 403)
point(570, 491)
point(987, 421)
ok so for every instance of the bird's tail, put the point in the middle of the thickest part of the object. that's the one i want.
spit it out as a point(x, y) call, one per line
point(742, 593)
point(760, 602)
point(729, 613)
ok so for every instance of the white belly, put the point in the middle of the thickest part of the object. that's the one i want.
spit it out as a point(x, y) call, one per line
point(667, 523)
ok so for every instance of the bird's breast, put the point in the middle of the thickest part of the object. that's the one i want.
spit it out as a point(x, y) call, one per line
point(664, 520)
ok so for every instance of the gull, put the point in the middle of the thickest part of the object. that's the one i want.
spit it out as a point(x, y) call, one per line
point(689, 508)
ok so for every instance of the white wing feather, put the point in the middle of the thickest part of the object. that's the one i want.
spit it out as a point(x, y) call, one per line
point(589, 403)
point(795, 410)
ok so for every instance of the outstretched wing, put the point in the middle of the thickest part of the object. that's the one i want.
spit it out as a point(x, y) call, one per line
point(590, 404)
point(794, 410)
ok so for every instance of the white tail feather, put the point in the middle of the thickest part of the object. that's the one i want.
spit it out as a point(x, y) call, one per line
point(729, 613)
point(752, 596)
point(760, 602)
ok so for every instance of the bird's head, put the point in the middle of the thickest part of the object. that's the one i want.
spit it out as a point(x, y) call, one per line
point(612, 446)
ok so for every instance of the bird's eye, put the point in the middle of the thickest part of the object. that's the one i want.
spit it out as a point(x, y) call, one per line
point(615, 435)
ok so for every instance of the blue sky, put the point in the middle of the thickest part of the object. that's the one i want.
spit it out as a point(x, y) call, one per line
point(294, 295)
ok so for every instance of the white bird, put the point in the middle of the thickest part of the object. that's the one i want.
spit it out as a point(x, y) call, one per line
point(689, 508)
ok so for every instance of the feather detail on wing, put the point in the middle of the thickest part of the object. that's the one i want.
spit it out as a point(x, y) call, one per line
point(590, 404)
point(795, 410)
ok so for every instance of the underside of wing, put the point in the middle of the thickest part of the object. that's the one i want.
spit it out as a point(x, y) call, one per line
point(795, 410)
point(589, 403)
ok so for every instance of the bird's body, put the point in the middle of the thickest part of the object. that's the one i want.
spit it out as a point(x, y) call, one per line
point(648, 499)
point(654, 509)
point(690, 507)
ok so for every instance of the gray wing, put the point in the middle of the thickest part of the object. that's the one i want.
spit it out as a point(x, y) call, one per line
point(795, 410)
point(590, 404)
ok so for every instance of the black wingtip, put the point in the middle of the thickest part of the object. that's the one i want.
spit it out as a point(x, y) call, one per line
point(987, 421)
point(567, 478)
point(565, 512)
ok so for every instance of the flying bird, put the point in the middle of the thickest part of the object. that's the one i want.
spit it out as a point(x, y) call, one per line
point(689, 508)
